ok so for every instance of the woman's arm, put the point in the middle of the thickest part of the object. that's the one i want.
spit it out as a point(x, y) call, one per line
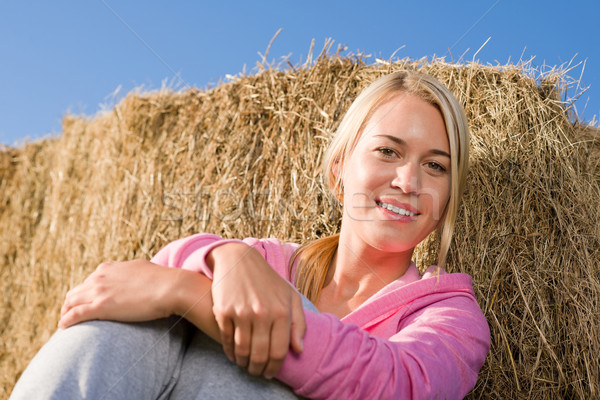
point(259, 314)
point(139, 290)
point(437, 352)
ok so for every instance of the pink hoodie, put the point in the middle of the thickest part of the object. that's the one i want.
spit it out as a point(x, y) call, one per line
point(420, 337)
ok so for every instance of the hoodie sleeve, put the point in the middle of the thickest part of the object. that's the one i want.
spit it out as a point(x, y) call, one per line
point(190, 253)
point(437, 353)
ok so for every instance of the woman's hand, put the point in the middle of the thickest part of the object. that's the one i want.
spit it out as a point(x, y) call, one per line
point(120, 291)
point(259, 314)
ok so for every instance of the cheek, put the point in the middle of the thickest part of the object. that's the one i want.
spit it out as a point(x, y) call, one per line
point(360, 184)
point(364, 178)
point(437, 196)
point(357, 195)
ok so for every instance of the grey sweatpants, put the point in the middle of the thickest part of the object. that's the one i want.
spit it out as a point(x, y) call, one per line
point(162, 359)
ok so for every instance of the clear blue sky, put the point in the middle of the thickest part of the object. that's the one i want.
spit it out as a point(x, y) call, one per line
point(69, 56)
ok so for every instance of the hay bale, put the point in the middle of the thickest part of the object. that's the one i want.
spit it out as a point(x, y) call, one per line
point(242, 160)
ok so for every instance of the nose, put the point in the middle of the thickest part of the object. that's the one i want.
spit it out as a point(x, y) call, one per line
point(408, 178)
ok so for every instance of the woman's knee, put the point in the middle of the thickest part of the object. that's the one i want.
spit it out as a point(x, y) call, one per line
point(99, 356)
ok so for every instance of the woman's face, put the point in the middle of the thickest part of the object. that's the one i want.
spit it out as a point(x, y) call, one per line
point(397, 179)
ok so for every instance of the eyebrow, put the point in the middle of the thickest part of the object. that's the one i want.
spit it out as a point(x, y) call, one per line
point(403, 143)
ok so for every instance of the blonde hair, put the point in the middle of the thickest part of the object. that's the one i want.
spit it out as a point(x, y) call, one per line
point(313, 258)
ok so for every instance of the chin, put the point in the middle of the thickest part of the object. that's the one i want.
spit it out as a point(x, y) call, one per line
point(393, 245)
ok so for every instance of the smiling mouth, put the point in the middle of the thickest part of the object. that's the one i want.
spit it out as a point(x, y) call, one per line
point(396, 210)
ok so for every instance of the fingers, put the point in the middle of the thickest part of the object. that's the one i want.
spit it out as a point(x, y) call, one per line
point(83, 312)
point(84, 302)
point(76, 296)
point(86, 291)
point(279, 346)
point(227, 330)
point(298, 328)
point(242, 339)
point(80, 305)
point(261, 338)
point(256, 344)
point(124, 291)
point(236, 336)
point(257, 325)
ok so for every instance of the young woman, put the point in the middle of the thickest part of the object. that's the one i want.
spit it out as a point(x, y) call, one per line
point(374, 328)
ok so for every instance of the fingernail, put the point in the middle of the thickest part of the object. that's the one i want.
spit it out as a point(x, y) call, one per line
point(268, 377)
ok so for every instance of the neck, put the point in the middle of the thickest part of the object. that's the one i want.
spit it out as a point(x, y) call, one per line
point(358, 271)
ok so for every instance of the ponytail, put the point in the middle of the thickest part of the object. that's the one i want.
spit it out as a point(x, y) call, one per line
point(313, 261)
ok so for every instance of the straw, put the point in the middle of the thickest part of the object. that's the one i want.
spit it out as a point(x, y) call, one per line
point(242, 159)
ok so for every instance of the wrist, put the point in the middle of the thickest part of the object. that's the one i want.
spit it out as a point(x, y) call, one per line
point(189, 289)
point(172, 296)
point(192, 300)
point(225, 254)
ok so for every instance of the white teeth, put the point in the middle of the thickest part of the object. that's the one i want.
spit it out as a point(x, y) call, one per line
point(397, 210)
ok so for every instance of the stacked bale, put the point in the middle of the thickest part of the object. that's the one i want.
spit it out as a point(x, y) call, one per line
point(242, 159)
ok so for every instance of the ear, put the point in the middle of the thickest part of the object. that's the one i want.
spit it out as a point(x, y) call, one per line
point(335, 169)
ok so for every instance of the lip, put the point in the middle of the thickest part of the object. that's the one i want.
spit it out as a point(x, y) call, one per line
point(390, 215)
point(398, 204)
